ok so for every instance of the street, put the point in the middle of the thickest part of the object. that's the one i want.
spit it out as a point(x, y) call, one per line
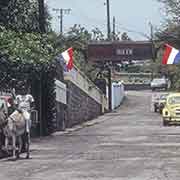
point(127, 144)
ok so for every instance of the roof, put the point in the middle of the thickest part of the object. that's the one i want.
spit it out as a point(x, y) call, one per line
point(118, 42)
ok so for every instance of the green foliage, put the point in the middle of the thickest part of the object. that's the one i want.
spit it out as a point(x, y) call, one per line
point(3, 11)
point(29, 56)
point(172, 10)
point(22, 15)
point(97, 35)
point(26, 47)
point(78, 38)
point(125, 37)
point(170, 30)
point(170, 33)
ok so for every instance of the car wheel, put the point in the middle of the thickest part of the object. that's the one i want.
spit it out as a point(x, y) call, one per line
point(155, 109)
point(165, 123)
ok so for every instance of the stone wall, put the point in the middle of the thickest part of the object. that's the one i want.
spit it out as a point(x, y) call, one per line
point(84, 100)
point(80, 106)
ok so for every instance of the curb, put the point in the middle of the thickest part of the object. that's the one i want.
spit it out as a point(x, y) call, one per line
point(81, 126)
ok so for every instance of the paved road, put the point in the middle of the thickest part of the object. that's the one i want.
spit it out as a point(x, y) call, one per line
point(128, 144)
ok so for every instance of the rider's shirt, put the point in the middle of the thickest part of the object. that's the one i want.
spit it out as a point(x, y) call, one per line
point(24, 101)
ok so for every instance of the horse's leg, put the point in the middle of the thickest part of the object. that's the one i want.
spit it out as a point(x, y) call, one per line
point(14, 146)
point(6, 142)
point(19, 147)
point(5, 147)
point(28, 144)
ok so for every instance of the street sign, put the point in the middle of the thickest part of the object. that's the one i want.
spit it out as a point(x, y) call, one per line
point(119, 51)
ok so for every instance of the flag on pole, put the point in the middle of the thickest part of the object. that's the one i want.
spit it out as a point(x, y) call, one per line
point(171, 55)
point(67, 59)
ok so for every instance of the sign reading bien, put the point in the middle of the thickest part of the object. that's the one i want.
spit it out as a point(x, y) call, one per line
point(119, 51)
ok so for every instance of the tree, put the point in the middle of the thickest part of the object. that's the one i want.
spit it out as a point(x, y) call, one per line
point(29, 56)
point(170, 30)
point(78, 38)
point(170, 33)
point(125, 37)
point(172, 10)
point(23, 15)
point(41, 16)
point(97, 35)
point(3, 11)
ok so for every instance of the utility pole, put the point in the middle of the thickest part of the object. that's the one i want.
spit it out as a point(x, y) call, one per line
point(108, 21)
point(152, 39)
point(151, 31)
point(42, 29)
point(114, 27)
point(41, 16)
point(109, 88)
point(153, 47)
point(109, 66)
point(61, 15)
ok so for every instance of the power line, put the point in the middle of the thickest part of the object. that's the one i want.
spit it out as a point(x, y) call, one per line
point(108, 21)
point(103, 23)
point(61, 15)
point(114, 27)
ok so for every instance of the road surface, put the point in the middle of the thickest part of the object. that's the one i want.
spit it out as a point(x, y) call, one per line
point(127, 144)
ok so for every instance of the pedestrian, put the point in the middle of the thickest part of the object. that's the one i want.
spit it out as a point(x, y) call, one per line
point(25, 103)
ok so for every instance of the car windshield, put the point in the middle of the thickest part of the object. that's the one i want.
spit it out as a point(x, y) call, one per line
point(163, 97)
point(174, 100)
point(158, 80)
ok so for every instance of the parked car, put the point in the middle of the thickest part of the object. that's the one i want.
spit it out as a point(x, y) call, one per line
point(159, 102)
point(171, 111)
point(159, 83)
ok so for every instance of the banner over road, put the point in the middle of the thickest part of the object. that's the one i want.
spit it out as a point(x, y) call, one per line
point(118, 51)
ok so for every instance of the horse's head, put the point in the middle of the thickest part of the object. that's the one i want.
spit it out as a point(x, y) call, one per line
point(3, 116)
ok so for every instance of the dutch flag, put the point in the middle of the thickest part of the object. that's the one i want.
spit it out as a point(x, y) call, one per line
point(171, 55)
point(67, 59)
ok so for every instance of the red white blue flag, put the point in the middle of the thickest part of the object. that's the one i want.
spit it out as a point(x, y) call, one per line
point(67, 59)
point(171, 55)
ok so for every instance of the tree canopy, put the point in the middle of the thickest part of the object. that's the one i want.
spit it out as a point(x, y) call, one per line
point(22, 15)
point(170, 33)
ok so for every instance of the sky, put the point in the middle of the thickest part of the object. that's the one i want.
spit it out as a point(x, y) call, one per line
point(131, 15)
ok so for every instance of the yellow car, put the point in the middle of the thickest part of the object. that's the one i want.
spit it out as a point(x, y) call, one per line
point(171, 111)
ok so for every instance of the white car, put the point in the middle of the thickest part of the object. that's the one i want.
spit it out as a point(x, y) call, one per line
point(159, 83)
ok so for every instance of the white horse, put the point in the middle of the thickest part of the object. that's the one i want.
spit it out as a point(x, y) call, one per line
point(15, 129)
